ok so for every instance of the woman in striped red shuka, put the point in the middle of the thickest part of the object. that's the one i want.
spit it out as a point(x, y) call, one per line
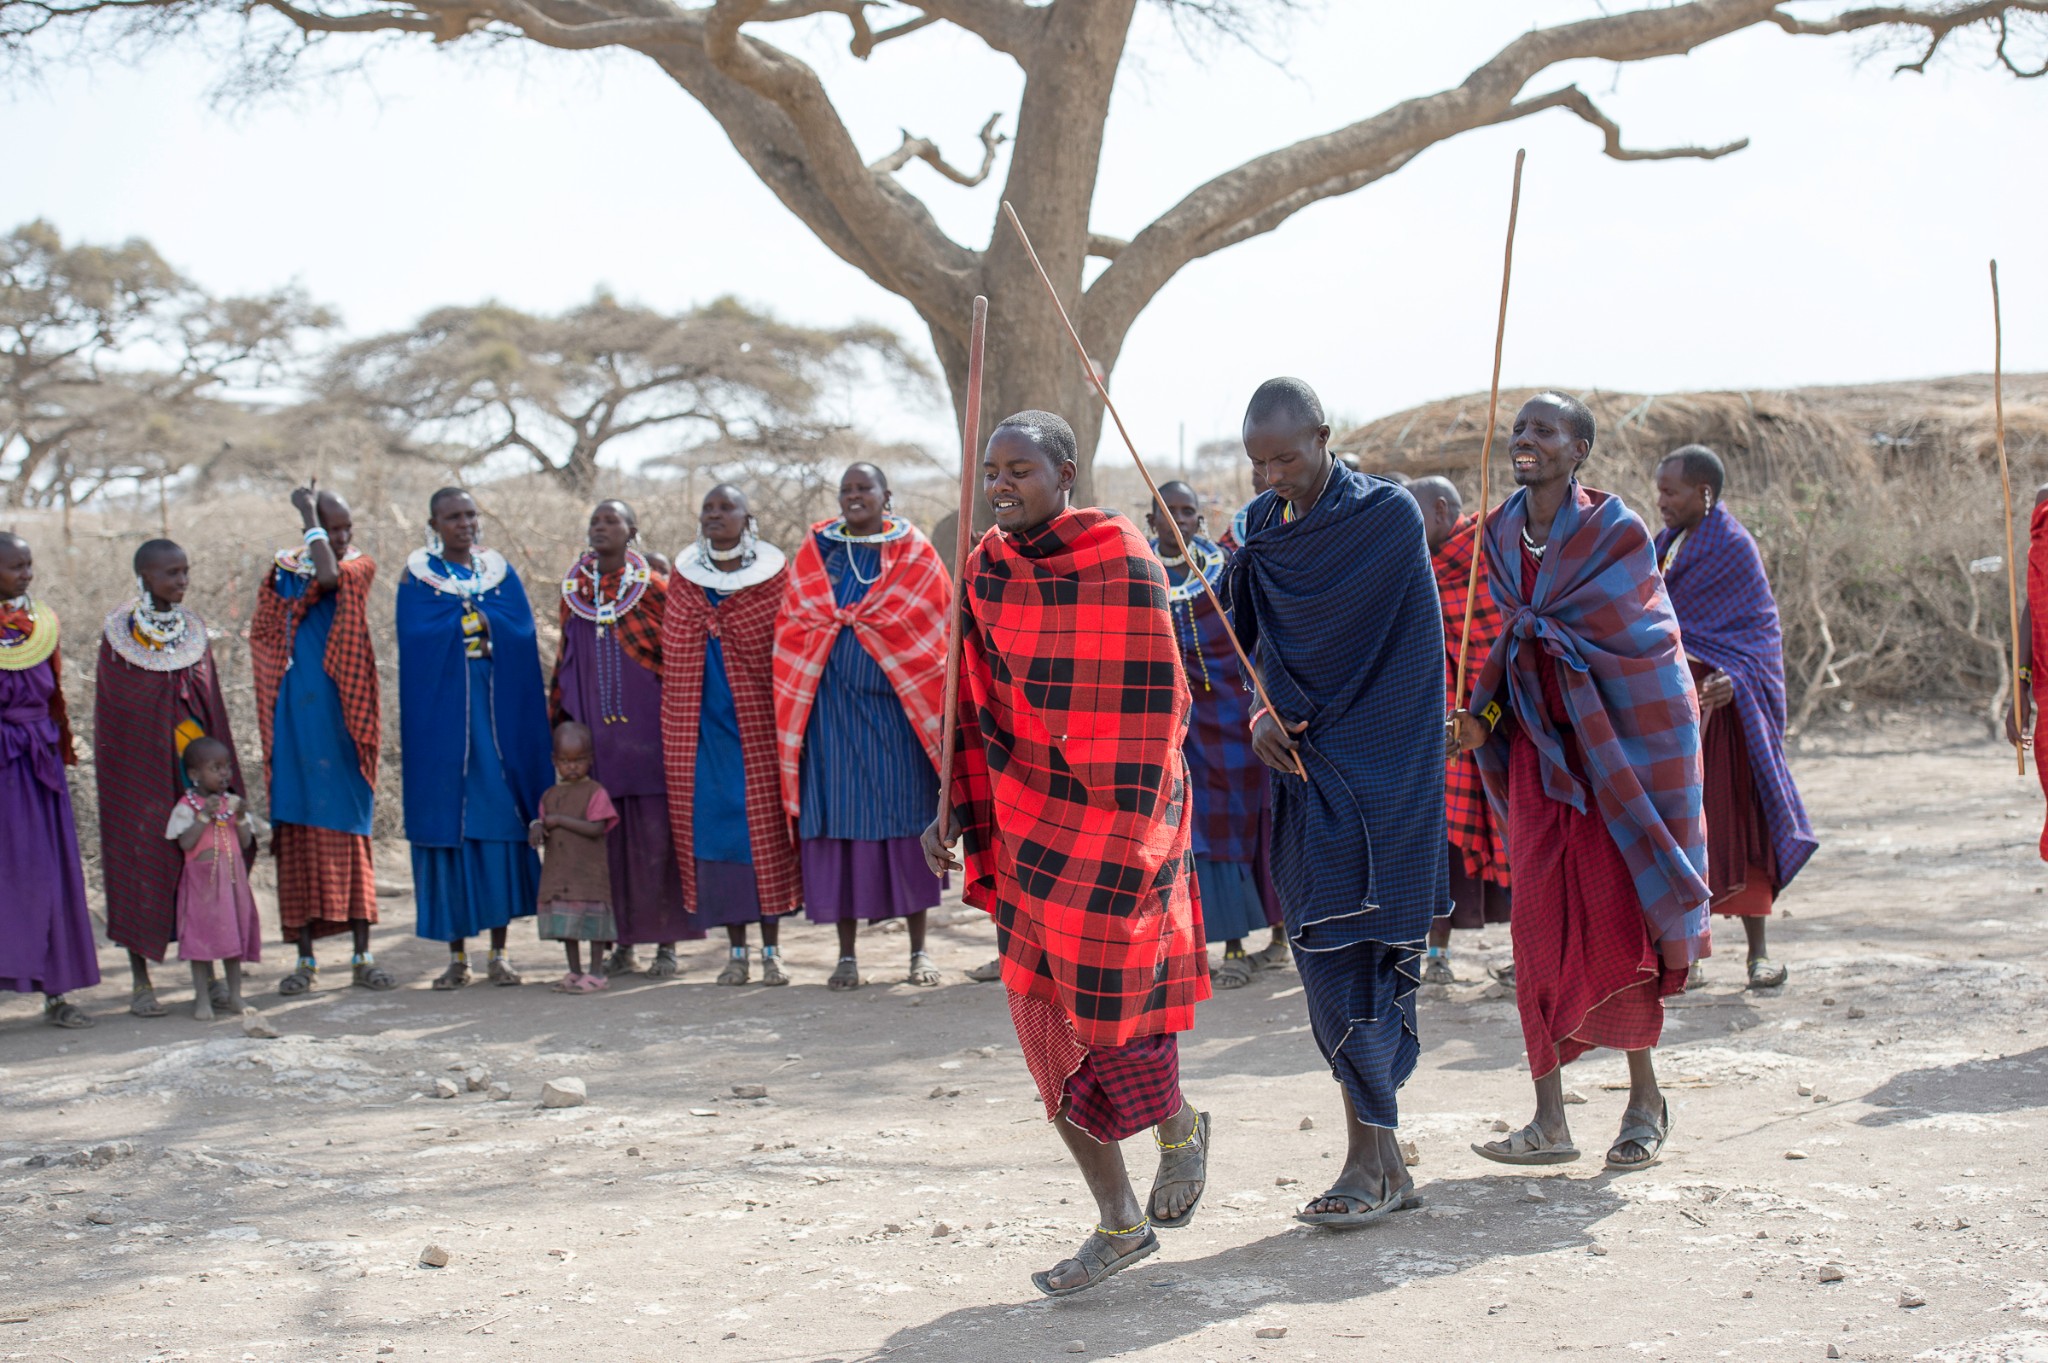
point(860, 679)
point(1758, 835)
point(608, 679)
point(1071, 790)
point(1478, 852)
point(1587, 729)
point(318, 710)
point(155, 690)
point(734, 849)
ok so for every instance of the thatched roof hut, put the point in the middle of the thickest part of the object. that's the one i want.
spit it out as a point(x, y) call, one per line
point(1799, 434)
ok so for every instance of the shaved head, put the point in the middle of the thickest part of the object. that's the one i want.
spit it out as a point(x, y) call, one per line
point(1427, 490)
point(154, 551)
point(1284, 401)
point(10, 540)
point(1699, 466)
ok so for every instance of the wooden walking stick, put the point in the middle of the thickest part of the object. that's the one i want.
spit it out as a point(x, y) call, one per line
point(970, 443)
point(1500, 334)
point(1180, 542)
point(2012, 572)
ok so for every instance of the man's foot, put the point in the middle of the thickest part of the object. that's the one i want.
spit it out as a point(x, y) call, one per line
point(665, 966)
point(1530, 1145)
point(1234, 972)
point(502, 971)
point(1101, 1255)
point(1347, 1208)
point(1765, 973)
point(1641, 1142)
point(847, 976)
point(1436, 967)
point(987, 974)
point(144, 1003)
point(304, 975)
point(1504, 976)
point(1182, 1176)
point(1275, 955)
point(622, 961)
point(69, 1016)
point(922, 972)
point(735, 971)
point(455, 976)
point(1696, 977)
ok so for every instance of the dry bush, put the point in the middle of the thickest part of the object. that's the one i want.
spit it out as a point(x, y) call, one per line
point(1870, 502)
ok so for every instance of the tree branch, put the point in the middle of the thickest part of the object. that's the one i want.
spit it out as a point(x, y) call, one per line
point(926, 150)
point(1575, 100)
point(1939, 24)
point(1105, 246)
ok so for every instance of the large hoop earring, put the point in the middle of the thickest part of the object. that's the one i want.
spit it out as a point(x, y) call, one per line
point(435, 544)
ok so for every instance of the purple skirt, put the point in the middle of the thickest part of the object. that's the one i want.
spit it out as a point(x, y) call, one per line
point(849, 878)
point(727, 896)
point(647, 891)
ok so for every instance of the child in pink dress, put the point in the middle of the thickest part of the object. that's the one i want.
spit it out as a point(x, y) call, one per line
point(216, 912)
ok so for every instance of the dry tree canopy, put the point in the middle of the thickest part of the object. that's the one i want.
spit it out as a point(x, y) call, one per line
point(1877, 506)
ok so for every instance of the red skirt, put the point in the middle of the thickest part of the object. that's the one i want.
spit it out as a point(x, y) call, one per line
point(1110, 1092)
point(1742, 871)
point(1586, 972)
point(324, 879)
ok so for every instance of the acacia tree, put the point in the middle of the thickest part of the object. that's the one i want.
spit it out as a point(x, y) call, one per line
point(111, 363)
point(468, 384)
point(780, 118)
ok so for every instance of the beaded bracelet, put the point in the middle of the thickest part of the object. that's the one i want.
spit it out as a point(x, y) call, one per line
point(1257, 714)
point(316, 533)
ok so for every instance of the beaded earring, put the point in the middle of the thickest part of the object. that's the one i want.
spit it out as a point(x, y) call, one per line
point(435, 544)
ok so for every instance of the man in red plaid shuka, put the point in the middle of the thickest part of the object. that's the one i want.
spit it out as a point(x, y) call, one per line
point(1071, 790)
point(1478, 852)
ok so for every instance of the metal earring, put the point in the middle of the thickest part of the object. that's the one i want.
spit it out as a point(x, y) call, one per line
point(435, 544)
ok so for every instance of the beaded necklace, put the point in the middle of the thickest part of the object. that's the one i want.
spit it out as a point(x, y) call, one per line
point(163, 628)
point(1180, 597)
point(218, 826)
point(38, 637)
point(892, 529)
point(610, 662)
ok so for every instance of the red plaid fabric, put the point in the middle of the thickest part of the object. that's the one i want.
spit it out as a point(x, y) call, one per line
point(324, 878)
point(1467, 816)
point(744, 623)
point(1110, 1092)
point(901, 622)
point(351, 661)
point(1070, 784)
point(2037, 646)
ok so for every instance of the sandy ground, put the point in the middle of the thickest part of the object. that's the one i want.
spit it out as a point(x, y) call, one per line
point(244, 1199)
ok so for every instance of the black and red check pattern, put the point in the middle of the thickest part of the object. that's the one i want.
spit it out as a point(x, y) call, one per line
point(1467, 816)
point(1070, 784)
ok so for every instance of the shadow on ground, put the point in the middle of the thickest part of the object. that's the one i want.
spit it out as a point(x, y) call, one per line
point(2011, 1083)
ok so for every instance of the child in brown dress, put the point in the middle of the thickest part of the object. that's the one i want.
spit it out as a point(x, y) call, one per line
point(575, 899)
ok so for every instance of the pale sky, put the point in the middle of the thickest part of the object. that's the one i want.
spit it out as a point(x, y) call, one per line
point(1847, 244)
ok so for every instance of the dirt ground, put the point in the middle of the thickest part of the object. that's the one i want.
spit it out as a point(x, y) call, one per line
point(173, 1190)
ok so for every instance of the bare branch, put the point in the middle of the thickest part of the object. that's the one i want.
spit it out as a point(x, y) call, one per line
point(1574, 99)
point(1011, 27)
point(1938, 23)
point(866, 40)
point(1107, 247)
point(926, 150)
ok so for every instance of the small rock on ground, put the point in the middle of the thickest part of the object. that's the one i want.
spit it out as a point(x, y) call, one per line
point(500, 1093)
point(255, 1027)
point(751, 1090)
point(445, 1088)
point(564, 1092)
point(1270, 1332)
point(477, 1079)
point(433, 1256)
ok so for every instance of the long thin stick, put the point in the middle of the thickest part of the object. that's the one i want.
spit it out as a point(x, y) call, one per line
point(1500, 336)
point(2012, 575)
point(970, 443)
point(1180, 542)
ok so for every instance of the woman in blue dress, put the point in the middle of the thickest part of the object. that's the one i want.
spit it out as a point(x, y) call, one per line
point(473, 727)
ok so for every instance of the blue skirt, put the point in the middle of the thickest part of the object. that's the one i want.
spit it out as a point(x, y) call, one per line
point(1231, 906)
point(468, 890)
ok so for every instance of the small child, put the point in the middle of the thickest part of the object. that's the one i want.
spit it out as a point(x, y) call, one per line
point(575, 905)
point(216, 912)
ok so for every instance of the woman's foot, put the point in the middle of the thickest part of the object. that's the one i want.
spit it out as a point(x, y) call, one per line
point(1233, 972)
point(622, 962)
point(370, 975)
point(502, 972)
point(143, 1003)
point(304, 975)
point(847, 976)
point(202, 1006)
point(1275, 955)
point(1765, 973)
point(922, 972)
point(987, 974)
point(69, 1016)
point(665, 967)
point(1436, 967)
point(771, 967)
point(735, 971)
point(455, 976)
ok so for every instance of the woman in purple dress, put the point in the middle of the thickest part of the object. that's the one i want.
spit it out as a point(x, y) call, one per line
point(608, 678)
point(46, 944)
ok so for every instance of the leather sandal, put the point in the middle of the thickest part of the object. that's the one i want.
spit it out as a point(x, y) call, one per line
point(1187, 1162)
point(1097, 1255)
